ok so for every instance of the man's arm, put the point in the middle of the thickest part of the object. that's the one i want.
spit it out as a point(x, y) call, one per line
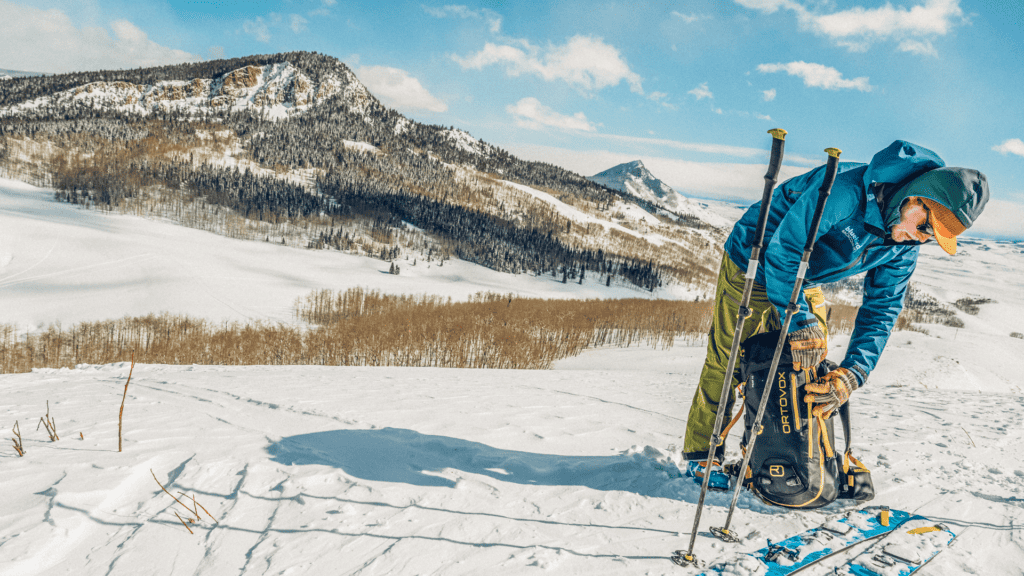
point(884, 291)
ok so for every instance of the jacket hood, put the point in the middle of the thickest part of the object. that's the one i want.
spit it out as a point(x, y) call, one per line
point(900, 161)
point(963, 190)
point(896, 165)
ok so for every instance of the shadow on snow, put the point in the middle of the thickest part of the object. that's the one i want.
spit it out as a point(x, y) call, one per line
point(406, 456)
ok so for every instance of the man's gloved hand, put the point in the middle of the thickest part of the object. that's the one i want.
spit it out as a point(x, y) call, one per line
point(808, 346)
point(831, 391)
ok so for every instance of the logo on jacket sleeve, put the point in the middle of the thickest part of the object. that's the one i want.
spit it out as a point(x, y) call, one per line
point(852, 237)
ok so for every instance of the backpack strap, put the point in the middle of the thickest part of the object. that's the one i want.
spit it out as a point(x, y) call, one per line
point(844, 415)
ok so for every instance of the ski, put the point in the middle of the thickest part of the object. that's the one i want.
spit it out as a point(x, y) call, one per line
point(798, 552)
point(917, 542)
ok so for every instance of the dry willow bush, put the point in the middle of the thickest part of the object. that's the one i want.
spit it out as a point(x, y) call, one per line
point(366, 328)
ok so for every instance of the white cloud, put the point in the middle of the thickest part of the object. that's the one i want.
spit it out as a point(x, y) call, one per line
point(257, 29)
point(584, 62)
point(690, 18)
point(762, 117)
point(530, 113)
point(701, 147)
point(769, 95)
point(493, 19)
point(701, 91)
point(919, 47)
point(769, 6)
point(298, 24)
point(1011, 146)
point(858, 28)
point(49, 41)
point(661, 98)
point(818, 76)
point(397, 89)
point(1001, 219)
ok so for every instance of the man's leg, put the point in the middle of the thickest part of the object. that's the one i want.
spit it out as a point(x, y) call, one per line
point(728, 294)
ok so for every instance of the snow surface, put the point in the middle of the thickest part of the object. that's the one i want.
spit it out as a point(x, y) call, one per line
point(410, 471)
point(62, 263)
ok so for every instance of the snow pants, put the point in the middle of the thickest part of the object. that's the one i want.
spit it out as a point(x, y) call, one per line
point(765, 317)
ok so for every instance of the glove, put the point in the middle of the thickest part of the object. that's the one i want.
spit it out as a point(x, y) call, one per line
point(808, 346)
point(831, 391)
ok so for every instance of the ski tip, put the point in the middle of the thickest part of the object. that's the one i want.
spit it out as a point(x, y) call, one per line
point(778, 133)
point(833, 152)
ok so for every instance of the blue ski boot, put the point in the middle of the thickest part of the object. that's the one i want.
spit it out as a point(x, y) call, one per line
point(719, 480)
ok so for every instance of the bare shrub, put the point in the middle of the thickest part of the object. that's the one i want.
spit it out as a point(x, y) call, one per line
point(971, 305)
point(366, 328)
point(49, 423)
point(18, 447)
point(922, 308)
point(842, 318)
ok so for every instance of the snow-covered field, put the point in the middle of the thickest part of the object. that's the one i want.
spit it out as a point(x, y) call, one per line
point(62, 263)
point(417, 471)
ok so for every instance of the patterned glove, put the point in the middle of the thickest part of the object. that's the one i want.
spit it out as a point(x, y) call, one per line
point(831, 391)
point(808, 346)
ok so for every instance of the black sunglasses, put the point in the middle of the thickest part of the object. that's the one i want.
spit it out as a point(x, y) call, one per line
point(926, 228)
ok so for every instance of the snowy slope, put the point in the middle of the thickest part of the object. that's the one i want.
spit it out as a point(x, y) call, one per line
point(437, 471)
point(409, 471)
point(87, 265)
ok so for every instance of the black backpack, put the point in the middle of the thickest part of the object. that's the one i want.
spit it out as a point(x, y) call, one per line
point(794, 463)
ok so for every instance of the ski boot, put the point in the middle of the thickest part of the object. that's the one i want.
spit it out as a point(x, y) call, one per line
point(719, 480)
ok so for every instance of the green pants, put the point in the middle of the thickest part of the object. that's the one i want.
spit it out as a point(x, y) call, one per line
point(765, 317)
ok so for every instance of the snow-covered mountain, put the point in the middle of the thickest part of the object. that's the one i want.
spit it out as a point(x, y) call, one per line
point(634, 178)
point(303, 118)
point(279, 89)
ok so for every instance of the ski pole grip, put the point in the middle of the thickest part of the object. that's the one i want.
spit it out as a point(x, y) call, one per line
point(775, 162)
point(770, 178)
point(831, 168)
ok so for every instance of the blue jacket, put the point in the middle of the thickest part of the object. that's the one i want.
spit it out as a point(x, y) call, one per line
point(852, 238)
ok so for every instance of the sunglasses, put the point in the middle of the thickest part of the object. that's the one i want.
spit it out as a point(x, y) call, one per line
point(926, 228)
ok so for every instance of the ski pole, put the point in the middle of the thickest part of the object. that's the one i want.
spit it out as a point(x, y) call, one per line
point(774, 163)
point(831, 168)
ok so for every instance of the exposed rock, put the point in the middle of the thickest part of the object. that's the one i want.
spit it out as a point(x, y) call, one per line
point(269, 86)
point(237, 81)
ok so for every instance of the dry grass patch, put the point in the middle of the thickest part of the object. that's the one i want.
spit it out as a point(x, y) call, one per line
point(367, 328)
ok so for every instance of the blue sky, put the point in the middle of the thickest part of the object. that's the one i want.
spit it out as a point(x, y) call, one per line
point(688, 86)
